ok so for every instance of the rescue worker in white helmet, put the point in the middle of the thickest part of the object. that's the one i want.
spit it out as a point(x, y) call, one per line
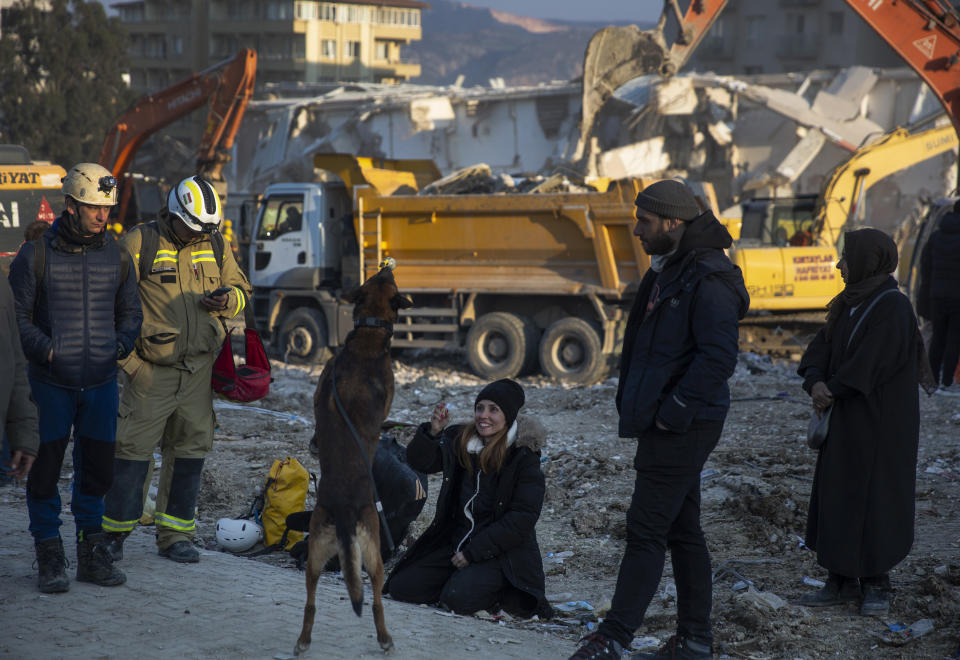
point(190, 285)
point(78, 313)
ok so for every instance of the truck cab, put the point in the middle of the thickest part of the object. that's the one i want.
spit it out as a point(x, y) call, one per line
point(295, 263)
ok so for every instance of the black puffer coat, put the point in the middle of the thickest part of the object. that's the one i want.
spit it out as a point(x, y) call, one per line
point(678, 356)
point(511, 536)
point(82, 310)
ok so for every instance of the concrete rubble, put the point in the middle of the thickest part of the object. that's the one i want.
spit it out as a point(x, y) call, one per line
point(777, 134)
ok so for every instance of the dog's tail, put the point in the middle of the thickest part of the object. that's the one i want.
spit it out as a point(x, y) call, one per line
point(350, 558)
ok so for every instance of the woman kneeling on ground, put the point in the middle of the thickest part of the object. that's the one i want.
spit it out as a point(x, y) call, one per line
point(480, 552)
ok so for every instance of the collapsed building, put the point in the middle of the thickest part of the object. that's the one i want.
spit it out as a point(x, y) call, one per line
point(766, 135)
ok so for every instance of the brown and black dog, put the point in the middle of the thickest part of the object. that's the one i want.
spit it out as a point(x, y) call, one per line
point(345, 521)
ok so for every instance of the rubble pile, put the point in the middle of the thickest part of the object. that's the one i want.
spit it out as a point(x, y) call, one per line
point(479, 180)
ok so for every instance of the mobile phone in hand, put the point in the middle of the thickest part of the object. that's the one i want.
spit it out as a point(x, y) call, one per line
point(222, 291)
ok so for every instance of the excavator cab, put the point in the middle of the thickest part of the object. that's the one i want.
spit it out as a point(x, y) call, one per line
point(783, 267)
point(779, 222)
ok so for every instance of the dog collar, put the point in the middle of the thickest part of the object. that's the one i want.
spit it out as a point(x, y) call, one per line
point(370, 322)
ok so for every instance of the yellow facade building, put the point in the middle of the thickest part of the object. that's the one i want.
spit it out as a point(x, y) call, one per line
point(296, 40)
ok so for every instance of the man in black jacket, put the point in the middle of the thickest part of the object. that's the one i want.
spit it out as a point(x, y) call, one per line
point(679, 350)
point(78, 311)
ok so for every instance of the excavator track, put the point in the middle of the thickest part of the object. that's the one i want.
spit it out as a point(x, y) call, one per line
point(780, 335)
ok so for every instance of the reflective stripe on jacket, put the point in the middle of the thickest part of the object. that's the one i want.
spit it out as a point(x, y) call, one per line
point(177, 329)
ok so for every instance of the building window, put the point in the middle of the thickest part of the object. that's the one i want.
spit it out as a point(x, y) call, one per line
point(351, 49)
point(836, 22)
point(306, 10)
point(328, 12)
point(328, 49)
point(278, 10)
point(176, 45)
point(132, 13)
point(796, 23)
point(383, 50)
point(754, 30)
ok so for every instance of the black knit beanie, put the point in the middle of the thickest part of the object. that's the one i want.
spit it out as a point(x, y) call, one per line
point(506, 393)
point(669, 199)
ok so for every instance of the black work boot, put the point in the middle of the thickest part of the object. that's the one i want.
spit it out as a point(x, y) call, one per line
point(679, 647)
point(51, 566)
point(598, 646)
point(114, 544)
point(182, 552)
point(838, 590)
point(94, 563)
point(876, 596)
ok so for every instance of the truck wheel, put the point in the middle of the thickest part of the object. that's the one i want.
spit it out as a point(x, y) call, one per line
point(571, 351)
point(501, 345)
point(303, 337)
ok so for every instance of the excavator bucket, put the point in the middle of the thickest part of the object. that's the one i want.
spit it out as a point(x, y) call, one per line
point(614, 56)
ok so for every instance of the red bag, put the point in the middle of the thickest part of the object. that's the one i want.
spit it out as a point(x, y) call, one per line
point(249, 381)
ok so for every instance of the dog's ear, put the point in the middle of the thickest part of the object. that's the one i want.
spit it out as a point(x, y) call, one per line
point(351, 295)
point(401, 302)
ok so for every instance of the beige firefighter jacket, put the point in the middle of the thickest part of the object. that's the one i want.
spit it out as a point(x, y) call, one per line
point(178, 330)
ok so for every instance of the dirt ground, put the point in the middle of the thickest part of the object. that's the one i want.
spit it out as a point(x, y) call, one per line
point(756, 487)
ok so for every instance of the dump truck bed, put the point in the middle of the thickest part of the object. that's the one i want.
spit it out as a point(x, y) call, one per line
point(547, 243)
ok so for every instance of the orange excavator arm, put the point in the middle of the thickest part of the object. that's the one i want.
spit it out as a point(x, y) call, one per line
point(926, 34)
point(228, 86)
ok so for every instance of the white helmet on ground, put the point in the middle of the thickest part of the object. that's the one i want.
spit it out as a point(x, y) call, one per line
point(238, 535)
point(196, 203)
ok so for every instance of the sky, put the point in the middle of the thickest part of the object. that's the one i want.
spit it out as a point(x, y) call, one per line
point(578, 10)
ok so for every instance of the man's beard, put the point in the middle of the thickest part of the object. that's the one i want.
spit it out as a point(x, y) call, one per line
point(662, 243)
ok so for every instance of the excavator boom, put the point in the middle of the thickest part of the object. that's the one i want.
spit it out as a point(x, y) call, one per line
point(227, 86)
point(926, 34)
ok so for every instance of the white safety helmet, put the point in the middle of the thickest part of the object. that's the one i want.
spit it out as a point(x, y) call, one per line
point(196, 203)
point(238, 535)
point(91, 184)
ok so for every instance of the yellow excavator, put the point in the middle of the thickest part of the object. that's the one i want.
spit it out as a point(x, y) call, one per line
point(788, 248)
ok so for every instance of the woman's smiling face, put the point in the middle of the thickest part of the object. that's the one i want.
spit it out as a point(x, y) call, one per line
point(489, 419)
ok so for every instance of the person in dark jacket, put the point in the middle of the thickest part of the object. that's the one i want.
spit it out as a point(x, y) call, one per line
point(18, 414)
point(679, 349)
point(865, 363)
point(939, 299)
point(78, 311)
point(480, 552)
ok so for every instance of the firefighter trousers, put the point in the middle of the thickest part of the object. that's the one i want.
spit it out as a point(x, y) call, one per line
point(171, 409)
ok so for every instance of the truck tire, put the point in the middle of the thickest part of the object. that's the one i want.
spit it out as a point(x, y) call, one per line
point(501, 345)
point(571, 351)
point(303, 337)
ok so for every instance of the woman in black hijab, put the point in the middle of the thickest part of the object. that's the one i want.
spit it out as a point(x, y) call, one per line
point(864, 364)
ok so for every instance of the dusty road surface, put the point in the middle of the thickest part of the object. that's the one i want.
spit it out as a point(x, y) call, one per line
point(756, 487)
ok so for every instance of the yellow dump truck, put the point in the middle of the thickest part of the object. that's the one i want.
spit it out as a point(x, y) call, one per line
point(522, 281)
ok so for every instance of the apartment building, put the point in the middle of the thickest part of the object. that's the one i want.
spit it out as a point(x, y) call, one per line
point(777, 36)
point(296, 40)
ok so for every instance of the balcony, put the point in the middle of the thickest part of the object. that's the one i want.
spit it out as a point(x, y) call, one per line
point(799, 46)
